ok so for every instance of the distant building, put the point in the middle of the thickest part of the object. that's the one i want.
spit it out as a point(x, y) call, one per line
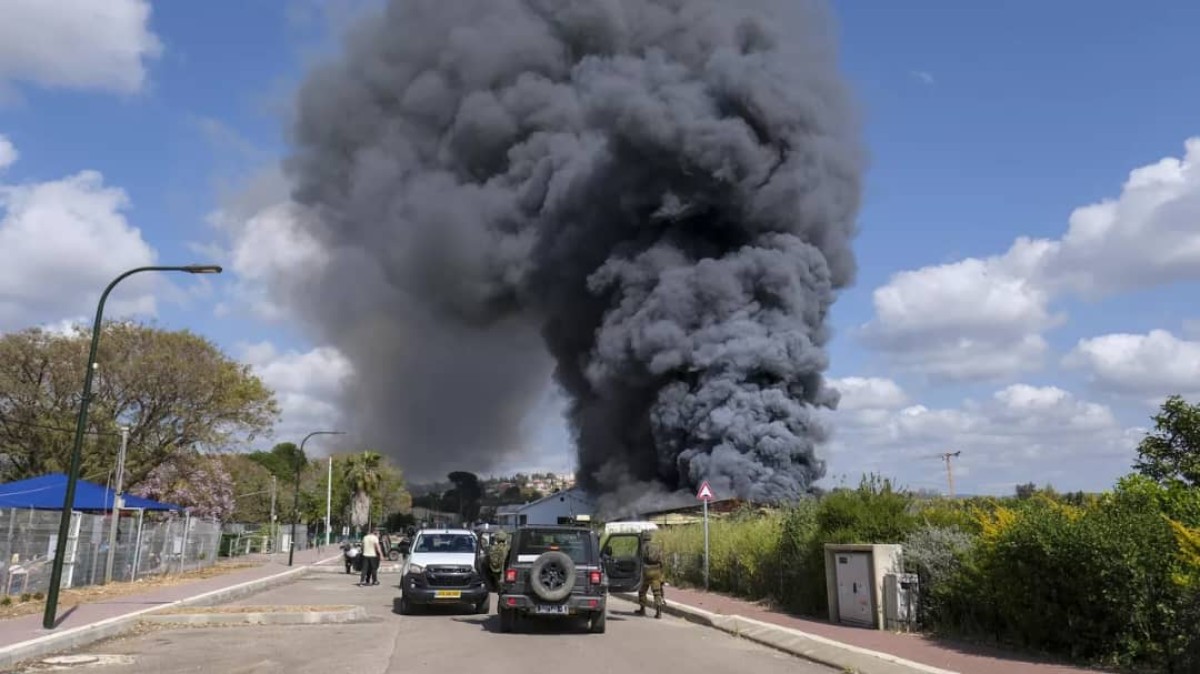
point(560, 508)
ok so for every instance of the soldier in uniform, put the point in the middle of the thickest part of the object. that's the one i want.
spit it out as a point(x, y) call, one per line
point(496, 557)
point(652, 574)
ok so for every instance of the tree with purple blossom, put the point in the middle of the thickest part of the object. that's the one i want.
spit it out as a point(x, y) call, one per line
point(196, 481)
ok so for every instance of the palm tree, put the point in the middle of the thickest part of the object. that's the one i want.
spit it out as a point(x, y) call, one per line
point(363, 478)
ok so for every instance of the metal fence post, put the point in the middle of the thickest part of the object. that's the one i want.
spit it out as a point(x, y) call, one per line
point(183, 547)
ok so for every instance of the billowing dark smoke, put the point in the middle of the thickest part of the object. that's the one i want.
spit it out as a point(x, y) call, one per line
point(666, 190)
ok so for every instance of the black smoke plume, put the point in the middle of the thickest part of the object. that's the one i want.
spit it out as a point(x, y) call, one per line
point(659, 194)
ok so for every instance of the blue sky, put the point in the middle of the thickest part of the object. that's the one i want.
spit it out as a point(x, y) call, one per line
point(984, 122)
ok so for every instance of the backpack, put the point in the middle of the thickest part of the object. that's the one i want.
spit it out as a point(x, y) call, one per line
point(652, 554)
point(496, 556)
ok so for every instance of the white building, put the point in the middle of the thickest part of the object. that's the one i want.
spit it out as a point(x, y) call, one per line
point(560, 508)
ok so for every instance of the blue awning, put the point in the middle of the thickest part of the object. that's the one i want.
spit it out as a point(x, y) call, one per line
point(46, 492)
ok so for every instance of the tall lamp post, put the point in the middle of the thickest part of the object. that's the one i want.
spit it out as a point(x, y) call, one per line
point(296, 504)
point(64, 523)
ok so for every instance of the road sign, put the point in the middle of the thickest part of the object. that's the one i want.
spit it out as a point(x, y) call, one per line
point(705, 493)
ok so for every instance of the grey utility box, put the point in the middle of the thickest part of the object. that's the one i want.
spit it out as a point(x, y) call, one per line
point(854, 577)
point(901, 593)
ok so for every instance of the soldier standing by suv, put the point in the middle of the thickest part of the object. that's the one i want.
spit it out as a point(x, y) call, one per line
point(496, 557)
point(652, 574)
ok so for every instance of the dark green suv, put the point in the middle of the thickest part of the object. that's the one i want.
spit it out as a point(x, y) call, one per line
point(556, 572)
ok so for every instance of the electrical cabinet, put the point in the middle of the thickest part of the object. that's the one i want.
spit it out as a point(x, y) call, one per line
point(854, 576)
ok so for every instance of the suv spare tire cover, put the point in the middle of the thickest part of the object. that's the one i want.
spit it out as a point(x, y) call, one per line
point(552, 576)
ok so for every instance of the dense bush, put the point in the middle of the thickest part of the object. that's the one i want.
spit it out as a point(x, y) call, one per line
point(1112, 579)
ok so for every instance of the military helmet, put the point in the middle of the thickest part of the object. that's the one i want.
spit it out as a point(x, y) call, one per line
point(501, 536)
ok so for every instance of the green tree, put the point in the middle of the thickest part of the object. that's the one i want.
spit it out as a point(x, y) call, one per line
point(464, 499)
point(251, 488)
point(282, 460)
point(1171, 453)
point(174, 389)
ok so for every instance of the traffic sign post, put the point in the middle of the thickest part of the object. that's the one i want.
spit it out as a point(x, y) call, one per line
point(705, 494)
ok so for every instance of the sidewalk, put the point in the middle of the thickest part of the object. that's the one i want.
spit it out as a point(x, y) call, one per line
point(968, 659)
point(24, 628)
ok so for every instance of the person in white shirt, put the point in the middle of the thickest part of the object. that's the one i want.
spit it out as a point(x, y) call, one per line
point(372, 553)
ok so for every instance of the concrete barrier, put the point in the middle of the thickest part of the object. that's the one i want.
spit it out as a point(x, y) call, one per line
point(800, 644)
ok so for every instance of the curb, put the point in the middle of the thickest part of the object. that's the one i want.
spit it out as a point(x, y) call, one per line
point(327, 568)
point(348, 614)
point(84, 635)
point(811, 647)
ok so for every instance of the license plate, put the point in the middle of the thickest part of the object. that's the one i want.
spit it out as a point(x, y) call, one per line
point(551, 609)
point(447, 594)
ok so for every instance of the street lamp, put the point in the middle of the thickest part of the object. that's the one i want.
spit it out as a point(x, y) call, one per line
point(296, 504)
point(64, 523)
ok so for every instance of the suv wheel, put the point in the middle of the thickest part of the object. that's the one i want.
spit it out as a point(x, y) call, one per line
point(598, 622)
point(485, 606)
point(405, 606)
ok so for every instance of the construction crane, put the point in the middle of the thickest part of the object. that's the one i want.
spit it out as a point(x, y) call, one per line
point(947, 456)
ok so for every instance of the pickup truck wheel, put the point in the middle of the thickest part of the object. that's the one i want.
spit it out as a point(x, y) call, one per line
point(405, 606)
point(484, 607)
point(552, 576)
point(508, 620)
point(598, 622)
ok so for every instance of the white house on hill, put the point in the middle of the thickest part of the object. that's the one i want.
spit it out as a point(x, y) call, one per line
point(560, 508)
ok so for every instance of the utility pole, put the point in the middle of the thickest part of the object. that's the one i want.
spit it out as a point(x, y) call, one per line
point(118, 501)
point(271, 528)
point(328, 499)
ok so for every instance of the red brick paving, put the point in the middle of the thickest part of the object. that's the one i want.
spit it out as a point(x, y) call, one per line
point(968, 659)
point(23, 628)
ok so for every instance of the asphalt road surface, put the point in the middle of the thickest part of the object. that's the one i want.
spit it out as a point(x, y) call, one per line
point(439, 641)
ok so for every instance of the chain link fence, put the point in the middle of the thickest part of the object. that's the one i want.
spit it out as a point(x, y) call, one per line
point(241, 538)
point(146, 545)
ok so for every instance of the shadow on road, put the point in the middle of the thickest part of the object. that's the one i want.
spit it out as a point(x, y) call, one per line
point(534, 626)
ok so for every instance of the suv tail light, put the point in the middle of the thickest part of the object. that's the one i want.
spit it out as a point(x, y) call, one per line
point(510, 576)
point(594, 577)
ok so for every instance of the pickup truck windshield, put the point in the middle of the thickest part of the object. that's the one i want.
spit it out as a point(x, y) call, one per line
point(445, 543)
point(576, 544)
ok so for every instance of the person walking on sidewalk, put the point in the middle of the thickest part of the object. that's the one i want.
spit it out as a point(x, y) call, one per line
point(372, 553)
point(652, 574)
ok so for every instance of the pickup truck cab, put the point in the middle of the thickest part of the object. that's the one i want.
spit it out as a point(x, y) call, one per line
point(442, 569)
point(560, 572)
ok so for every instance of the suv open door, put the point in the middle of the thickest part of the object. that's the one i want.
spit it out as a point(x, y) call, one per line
point(623, 562)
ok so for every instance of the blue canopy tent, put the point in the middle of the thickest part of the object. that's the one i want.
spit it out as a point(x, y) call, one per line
point(46, 492)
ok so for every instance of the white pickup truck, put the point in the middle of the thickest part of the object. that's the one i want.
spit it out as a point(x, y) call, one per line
point(443, 568)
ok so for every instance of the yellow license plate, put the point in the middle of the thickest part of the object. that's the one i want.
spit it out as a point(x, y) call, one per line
point(447, 594)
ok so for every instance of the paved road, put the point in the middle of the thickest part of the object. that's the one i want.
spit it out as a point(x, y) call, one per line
point(442, 642)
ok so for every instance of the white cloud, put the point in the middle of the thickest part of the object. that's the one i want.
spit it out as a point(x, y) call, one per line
point(8, 153)
point(922, 76)
point(76, 44)
point(61, 243)
point(1020, 433)
point(984, 317)
point(1153, 365)
point(268, 249)
point(869, 393)
point(308, 386)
